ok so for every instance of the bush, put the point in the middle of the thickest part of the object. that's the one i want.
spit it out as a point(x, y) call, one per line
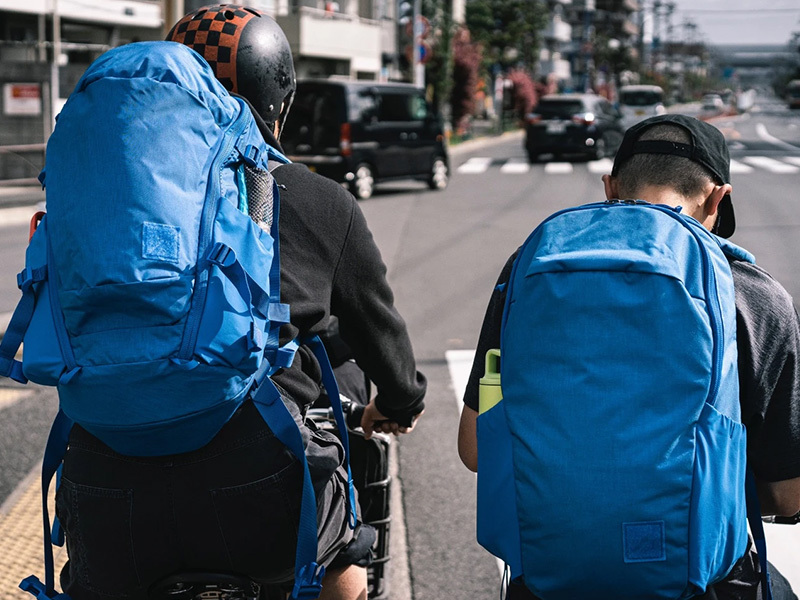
point(524, 96)
point(466, 62)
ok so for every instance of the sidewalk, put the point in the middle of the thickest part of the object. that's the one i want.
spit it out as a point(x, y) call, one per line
point(21, 532)
point(20, 195)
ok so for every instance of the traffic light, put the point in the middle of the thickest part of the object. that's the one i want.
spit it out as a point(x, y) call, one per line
point(405, 12)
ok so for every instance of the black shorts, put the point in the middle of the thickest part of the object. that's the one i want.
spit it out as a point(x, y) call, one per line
point(232, 505)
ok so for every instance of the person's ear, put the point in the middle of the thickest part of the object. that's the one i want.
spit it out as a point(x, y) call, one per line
point(611, 186)
point(711, 204)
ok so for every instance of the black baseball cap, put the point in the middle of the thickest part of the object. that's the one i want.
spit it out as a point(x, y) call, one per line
point(708, 148)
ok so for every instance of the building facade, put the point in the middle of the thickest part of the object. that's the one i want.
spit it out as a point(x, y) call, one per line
point(46, 45)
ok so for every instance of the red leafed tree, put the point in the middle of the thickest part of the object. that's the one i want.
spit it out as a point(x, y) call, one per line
point(466, 62)
point(524, 92)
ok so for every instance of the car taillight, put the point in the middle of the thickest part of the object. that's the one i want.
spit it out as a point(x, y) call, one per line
point(344, 140)
point(533, 118)
point(583, 118)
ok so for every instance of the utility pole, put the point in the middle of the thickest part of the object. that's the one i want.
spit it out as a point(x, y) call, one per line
point(588, 41)
point(55, 92)
point(417, 66)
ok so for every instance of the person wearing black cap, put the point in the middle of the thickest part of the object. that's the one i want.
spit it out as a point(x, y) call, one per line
point(680, 161)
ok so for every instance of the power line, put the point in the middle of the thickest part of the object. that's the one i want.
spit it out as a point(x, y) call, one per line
point(738, 10)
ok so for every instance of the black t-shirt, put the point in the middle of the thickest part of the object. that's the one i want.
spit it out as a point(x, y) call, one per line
point(768, 341)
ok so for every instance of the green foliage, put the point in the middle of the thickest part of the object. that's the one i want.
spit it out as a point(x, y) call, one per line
point(508, 30)
point(439, 69)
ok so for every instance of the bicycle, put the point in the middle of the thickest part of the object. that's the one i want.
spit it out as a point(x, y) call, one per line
point(369, 464)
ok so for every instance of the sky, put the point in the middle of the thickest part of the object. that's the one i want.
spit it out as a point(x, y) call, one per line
point(737, 21)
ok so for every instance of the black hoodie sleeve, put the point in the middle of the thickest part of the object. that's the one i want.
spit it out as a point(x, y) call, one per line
point(371, 326)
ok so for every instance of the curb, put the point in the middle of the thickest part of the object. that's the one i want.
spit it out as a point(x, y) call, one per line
point(484, 142)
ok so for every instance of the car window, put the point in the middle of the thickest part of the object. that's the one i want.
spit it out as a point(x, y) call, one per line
point(640, 98)
point(363, 106)
point(313, 118)
point(402, 107)
point(550, 109)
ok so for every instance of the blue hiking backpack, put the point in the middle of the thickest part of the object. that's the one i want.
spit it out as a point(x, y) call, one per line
point(151, 288)
point(614, 464)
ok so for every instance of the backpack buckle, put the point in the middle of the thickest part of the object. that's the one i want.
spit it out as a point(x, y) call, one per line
point(251, 155)
point(221, 255)
point(308, 584)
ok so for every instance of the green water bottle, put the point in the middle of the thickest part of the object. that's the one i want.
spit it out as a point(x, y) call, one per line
point(490, 392)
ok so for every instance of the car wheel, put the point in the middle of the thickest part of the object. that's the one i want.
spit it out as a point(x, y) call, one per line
point(532, 157)
point(363, 183)
point(439, 176)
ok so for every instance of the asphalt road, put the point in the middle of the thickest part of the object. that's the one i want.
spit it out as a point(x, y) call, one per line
point(444, 251)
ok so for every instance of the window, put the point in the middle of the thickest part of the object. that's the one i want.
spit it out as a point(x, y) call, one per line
point(402, 107)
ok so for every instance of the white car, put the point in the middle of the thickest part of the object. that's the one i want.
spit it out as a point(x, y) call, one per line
point(712, 104)
point(638, 102)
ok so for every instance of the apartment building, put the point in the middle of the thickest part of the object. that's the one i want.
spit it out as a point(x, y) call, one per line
point(556, 38)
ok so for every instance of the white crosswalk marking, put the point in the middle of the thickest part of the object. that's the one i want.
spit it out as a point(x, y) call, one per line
point(477, 164)
point(561, 168)
point(515, 166)
point(604, 165)
point(795, 160)
point(771, 165)
point(739, 167)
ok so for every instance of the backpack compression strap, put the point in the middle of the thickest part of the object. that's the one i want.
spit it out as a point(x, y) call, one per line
point(12, 340)
point(53, 458)
point(268, 401)
point(757, 529)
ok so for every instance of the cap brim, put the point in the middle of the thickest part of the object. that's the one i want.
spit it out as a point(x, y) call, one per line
point(726, 221)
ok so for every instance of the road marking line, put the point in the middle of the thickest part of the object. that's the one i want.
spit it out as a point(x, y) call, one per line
point(604, 165)
point(476, 164)
point(561, 168)
point(765, 135)
point(795, 160)
point(515, 166)
point(772, 165)
point(459, 363)
point(783, 540)
point(739, 167)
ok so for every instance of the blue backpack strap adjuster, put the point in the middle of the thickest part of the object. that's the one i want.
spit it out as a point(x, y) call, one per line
point(221, 255)
point(36, 588)
point(309, 583)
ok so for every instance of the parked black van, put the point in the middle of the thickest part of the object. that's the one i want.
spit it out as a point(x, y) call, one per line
point(362, 132)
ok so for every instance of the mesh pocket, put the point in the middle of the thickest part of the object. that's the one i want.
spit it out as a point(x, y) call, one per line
point(259, 185)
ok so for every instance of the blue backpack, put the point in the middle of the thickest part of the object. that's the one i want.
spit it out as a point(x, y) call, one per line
point(614, 465)
point(151, 288)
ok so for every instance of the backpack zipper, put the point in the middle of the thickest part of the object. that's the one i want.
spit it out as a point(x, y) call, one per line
point(202, 271)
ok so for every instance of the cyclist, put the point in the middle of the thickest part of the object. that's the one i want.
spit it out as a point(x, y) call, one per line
point(694, 174)
point(233, 505)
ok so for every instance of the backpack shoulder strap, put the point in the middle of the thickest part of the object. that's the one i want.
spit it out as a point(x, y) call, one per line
point(735, 252)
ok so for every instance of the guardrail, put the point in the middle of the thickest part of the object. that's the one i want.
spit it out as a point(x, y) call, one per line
point(19, 149)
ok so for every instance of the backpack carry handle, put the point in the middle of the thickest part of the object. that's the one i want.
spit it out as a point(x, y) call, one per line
point(35, 220)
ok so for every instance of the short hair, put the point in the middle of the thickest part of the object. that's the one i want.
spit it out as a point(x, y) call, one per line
point(682, 174)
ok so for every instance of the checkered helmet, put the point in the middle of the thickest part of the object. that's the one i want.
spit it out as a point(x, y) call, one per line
point(247, 51)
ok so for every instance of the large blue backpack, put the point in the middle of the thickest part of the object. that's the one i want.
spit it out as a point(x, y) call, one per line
point(614, 466)
point(151, 288)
